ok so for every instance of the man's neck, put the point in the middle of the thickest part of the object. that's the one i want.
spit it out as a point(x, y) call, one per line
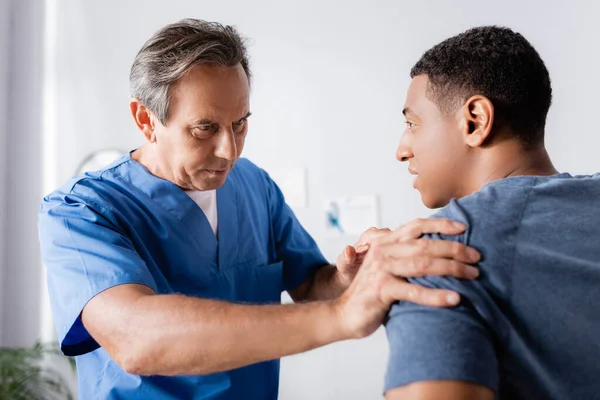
point(505, 159)
point(144, 156)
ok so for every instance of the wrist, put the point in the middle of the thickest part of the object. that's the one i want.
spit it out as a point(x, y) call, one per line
point(340, 280)
point(338, 319)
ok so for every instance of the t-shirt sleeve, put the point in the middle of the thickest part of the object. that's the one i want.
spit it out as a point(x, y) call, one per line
point(294, 246)
point(84, 253)
point(456, 343)
point(429, 344)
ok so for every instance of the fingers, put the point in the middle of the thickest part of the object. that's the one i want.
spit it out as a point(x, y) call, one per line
point(427, 248)
point(427, 266)
point(361, 248)
point(419, 227)
point(372, 234)
point(369, 236)
point(398, 290)
point(350, 254)
point(348, 257)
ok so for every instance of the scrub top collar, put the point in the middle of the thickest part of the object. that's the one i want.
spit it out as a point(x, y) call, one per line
point(222, 248)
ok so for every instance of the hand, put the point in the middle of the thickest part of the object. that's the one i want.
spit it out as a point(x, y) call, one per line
point(352, 257)
point(398, 255)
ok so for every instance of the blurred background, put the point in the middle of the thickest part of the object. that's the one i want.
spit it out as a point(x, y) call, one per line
point(328, 90)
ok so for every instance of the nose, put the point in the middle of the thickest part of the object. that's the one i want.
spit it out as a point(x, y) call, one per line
point(404, 151)
point(226, 147)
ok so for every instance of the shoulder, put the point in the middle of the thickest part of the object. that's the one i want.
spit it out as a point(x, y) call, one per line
point(90, 190)
point(493, 218)
point(496, 202)
point(252, 177)
point(243, 166)
point(492, 215)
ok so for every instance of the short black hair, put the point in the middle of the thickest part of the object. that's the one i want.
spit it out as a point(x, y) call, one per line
point(499, 64)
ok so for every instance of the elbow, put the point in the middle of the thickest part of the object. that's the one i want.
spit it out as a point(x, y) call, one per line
point(132, 363)
point(151, 360)
point(137, 359)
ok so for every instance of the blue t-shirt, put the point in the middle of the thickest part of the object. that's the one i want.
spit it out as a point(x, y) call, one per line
point(529, 327)
point(124, 225)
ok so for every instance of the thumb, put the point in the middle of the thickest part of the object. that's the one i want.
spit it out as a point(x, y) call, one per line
point(347, 257)
point(350, 253)
point(361, 248)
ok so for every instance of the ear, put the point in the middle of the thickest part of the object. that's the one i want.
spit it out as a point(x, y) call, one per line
point(144, 119)
point(478, 113)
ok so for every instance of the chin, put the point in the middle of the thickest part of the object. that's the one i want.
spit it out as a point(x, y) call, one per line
point(433, 203)
point(203, 182)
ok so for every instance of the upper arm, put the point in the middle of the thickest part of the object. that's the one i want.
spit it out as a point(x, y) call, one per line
point(85, 254)
point(441, 344)
point(294, 246)
point(455, 349)
point(433, 390)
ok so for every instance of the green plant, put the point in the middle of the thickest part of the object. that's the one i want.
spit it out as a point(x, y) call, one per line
point(31, 374)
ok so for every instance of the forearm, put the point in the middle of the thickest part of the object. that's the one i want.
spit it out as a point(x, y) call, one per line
point(326, 284)
point(177, 335)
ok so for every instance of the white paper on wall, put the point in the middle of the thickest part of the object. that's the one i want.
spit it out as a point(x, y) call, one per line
point(350, 215)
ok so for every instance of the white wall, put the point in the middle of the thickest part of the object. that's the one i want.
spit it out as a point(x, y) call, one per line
point(4, 69)
point(330, 79)
point(20, 165)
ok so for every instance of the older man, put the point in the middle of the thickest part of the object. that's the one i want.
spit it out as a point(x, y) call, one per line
point(166, 267)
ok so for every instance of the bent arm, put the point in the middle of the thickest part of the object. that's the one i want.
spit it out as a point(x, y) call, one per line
point(149, 334)
point(325, 284)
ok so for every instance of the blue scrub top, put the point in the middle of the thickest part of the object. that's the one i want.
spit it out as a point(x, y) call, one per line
point(124, 225)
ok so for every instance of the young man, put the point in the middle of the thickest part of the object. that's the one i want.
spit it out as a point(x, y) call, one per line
point(528, 328)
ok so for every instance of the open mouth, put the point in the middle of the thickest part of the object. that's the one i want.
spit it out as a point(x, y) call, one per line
point(416, 175)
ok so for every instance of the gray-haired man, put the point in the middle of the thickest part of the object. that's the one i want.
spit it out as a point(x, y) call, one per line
point(161, 265)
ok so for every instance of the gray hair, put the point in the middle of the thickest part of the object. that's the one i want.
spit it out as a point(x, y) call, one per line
point(175, 49)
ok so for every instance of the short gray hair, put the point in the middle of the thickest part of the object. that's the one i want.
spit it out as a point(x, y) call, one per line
point(175, 49)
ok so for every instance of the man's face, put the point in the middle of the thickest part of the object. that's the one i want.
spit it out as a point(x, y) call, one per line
point(206, 127)
point(432, 144)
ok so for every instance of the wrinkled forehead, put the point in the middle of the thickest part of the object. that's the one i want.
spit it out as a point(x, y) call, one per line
point(211, 89)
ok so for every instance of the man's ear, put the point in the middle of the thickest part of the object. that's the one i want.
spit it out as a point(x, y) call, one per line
point(144, 119)
point(478, 114)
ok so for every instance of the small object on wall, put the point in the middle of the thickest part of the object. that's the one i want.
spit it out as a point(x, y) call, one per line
point(292, 182)
point(99, 159)
point(350, 215)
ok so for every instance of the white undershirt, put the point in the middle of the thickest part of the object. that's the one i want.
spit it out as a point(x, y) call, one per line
point(207, 201)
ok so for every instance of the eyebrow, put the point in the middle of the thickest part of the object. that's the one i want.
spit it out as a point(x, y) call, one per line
point(203, 121)
point(246, 116)
point(206, 121)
